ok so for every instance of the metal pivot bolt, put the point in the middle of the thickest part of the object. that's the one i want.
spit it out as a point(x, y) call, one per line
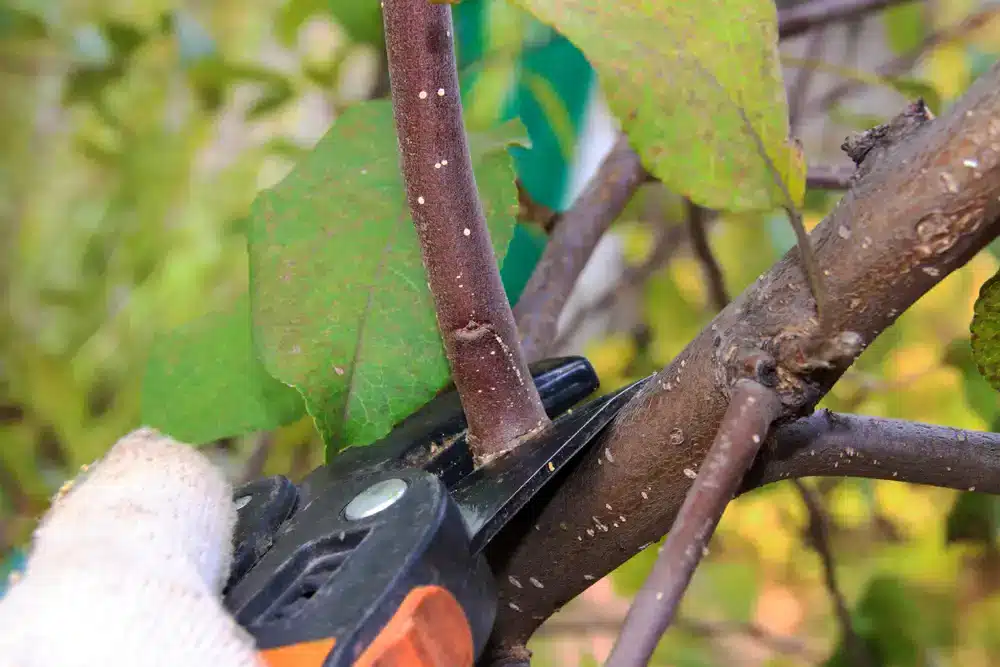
point(374, 499)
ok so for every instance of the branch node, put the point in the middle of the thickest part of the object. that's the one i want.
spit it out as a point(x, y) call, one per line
point(759, 366)
point(860, 145)
point(473, 331)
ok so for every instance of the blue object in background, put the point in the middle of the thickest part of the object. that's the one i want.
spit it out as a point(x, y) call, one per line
point(14, 562)
point(512, 66)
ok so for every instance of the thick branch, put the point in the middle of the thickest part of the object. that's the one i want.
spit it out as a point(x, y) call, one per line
point(697, 221)
point(815, 14)
point(819, 536)
point(572, 243)
point(477, 326)
point(744, 427)
point(925, 201)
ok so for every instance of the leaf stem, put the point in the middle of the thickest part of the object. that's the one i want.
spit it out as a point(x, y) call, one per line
point(500, 401)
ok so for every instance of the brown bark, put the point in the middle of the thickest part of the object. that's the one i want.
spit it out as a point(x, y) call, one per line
point(827, 444)
point(576, 235)
point(925, 200)
point(500, 401)
point(744, 428)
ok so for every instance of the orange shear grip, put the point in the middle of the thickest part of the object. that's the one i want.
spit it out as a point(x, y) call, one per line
point(428, 630)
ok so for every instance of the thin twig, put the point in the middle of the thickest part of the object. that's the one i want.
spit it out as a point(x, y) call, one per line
point(697, 218)
point(752, 409)
point(905, 62)
point(807, 16)
point(668, 241)
point(477, 326)
point(798, 91)
point(572, 243)
point(819, 537)
point(829, 177)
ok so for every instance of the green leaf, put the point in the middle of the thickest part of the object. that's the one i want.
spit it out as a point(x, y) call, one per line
point(905, 27)
point(340, 304)
point(273, 98)
point(979, 395)
point(975, 517)
point(986, 331)
point(526, 248)
point(899, 624)
point(361, 20)
point(698, 88)
point(204, 381)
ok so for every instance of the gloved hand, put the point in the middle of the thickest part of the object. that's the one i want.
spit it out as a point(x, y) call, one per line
point(127, 568)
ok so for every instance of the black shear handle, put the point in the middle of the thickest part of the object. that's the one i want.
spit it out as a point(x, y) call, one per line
point(378, 574)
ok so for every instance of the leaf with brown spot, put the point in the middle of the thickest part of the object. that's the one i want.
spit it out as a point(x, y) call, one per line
point(698, 88)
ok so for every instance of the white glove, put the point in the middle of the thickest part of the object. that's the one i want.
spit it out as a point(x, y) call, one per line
point(127, 568)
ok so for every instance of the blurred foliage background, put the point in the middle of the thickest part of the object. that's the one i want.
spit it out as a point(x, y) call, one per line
point(136, 134)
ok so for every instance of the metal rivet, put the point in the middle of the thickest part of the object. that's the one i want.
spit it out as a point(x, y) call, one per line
point(242, 502)
point(374, 499)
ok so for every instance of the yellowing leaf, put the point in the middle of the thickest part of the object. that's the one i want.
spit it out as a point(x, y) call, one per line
point(611, 356)
point(698, 88)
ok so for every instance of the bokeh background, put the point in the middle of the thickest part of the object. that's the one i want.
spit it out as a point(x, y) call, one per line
point(134, 134)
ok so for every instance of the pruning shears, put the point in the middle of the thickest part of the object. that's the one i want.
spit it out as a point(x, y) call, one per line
point(377, 558)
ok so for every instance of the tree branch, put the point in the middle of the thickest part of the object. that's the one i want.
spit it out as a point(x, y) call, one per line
point(926, 199)
point(827, 444)
point(798, 91)
point(819, 537)
point(905, 62)
point(571, 245)
point(744, 427)
point(815, 14)
point(697, 218)
point(669, 239)
point(475, 319)
point(827, 177)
